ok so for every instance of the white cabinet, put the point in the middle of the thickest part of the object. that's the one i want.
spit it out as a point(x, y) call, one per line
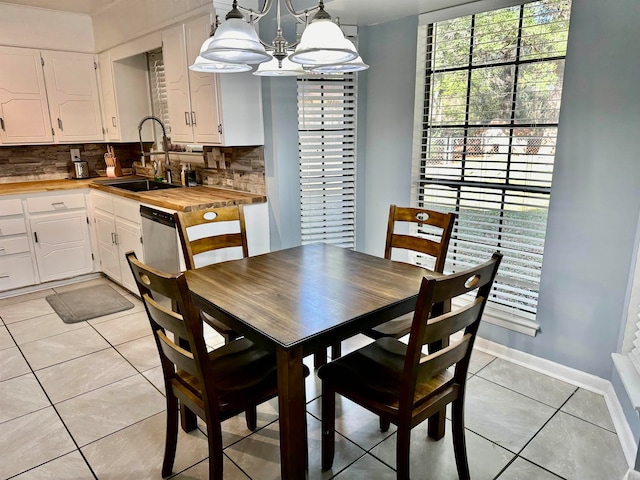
point(48, 97)
point(126, 99)
point(62, 244)
point(24, 113)
point(118, 231)
point(16, 264)
point(203, 107)
point(192, 97)
point(72, 89)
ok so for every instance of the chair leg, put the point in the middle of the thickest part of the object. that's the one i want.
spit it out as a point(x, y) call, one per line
point(251, 417)
point(214, 439)
point(384, 424)
point(188, 419)
point(403, 446)
point(171, 435)
point(328, 426)
point(459, 443)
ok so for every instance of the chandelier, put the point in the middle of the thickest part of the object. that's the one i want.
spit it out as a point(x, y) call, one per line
point(234, 45)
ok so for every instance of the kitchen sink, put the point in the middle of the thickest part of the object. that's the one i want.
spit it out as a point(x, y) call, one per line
point(139, 185)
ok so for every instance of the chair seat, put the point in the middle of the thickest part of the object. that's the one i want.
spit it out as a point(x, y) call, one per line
point(396, 328)
point(371, 373)
point(243, 372)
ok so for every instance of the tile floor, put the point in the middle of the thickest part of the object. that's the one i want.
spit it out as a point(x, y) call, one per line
point(85, 401)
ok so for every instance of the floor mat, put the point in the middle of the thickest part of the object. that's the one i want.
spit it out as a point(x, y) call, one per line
point(87, 303)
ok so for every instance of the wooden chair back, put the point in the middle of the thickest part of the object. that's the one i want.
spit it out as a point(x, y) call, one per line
point(420, 216)
point(171, 330)
point(430, 328)
point(194, 244)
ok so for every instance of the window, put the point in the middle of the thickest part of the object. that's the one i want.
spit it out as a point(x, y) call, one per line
point(488, 121)
point(327, 133)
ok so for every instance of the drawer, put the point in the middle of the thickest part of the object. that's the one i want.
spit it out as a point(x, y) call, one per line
point(11, 245)
point(55, 203)
point(102, 201)
point(11, 207)
point(12, 226)
point(127, 209)
point(16, 271)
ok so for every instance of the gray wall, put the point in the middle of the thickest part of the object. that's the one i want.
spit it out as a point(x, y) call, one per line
point(384, 163)
point(595, 199)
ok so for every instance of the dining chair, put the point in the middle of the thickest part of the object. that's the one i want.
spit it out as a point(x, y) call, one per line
point(437, 247)
point(215, 385)
point(200, 245)
point(405, 386)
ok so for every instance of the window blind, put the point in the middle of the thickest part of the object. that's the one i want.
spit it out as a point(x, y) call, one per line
point(158, 88)
point(488, 127)
point(327, 148)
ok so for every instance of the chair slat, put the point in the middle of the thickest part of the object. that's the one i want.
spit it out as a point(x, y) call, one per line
point(165, 318)
point(416, 244)
point(180, 357)
point(446, 325)
point(207, 244)
point(442, 359)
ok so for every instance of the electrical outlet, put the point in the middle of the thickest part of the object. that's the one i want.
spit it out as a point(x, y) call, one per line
point(75, 152)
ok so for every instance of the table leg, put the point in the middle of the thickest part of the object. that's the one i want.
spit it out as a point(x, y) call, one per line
point(293, 422)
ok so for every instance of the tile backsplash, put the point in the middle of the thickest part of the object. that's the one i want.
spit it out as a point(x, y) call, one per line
point(53, 162)
point(235, 168)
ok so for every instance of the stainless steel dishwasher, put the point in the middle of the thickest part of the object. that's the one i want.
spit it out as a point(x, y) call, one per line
point(159, 240)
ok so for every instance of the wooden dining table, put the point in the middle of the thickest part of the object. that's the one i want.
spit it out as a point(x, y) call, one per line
point(297, 302)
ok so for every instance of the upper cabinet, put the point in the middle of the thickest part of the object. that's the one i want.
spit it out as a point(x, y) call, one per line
point(203, 107)
point(72, 88)
point(48, 97)
point(126, 99)
point(24, 113)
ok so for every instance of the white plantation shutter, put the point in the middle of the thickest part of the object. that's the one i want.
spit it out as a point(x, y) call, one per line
point(158, 87)
point(488, 119)
point(327, 133)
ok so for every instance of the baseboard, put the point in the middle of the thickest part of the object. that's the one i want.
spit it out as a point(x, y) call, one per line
point(47, 285)
point(574, 377)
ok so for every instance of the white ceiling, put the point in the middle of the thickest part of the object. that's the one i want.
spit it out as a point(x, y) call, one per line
point(359, 12)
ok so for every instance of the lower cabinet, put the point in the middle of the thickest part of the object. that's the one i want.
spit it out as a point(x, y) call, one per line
point(16, 263)
point(62, 245)
point(118, 231)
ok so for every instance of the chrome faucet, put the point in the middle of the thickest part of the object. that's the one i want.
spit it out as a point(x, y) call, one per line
point(165, 147)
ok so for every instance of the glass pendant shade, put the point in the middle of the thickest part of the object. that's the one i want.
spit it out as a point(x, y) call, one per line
point(208, 66)
point(235, 41)
point(273, 69)
point(323, 43)
point(356, 65)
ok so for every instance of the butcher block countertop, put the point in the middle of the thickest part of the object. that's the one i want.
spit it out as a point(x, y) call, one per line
point(182, 198)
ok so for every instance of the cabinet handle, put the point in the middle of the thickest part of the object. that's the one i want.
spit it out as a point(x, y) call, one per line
point(220, 128)
point(193, 118)
point(56, 205)
point(113, 238)
point(113, 121)
point(187, 118)
point(4, 276)
point(2, 249)
point(60, 124)
point(2, 124)
point(35, 235)
point(116, 237)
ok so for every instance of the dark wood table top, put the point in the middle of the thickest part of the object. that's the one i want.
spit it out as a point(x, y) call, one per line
point(306, 295)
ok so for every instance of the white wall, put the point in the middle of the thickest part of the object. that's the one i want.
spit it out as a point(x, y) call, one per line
point(45, 29)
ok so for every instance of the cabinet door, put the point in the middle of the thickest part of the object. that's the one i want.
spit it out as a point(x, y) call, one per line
point(109, 106)
point(174, 53)
point(107, 248)
point(203, 87)
point(129, 236)
point(62, 245)
point(24, 113)
point(72, 88)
